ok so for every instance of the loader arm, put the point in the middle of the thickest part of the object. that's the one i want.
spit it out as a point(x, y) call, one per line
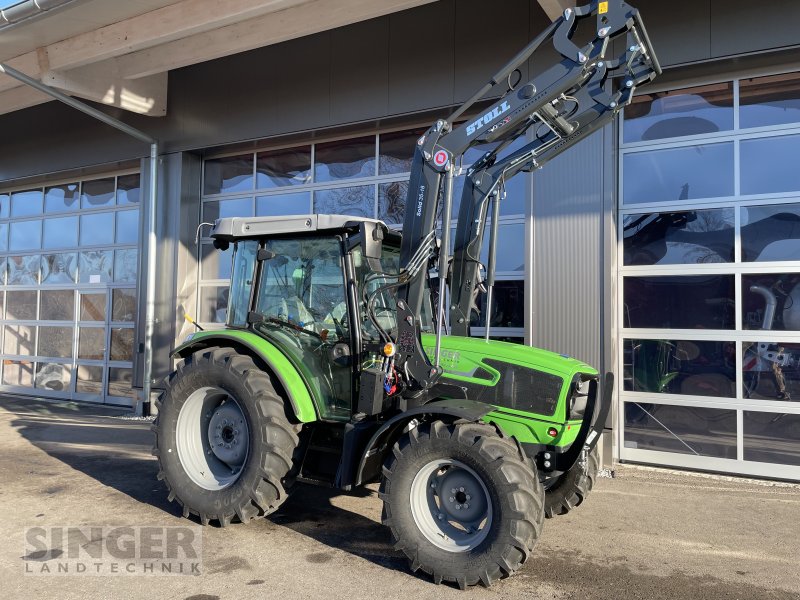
point(567, 102)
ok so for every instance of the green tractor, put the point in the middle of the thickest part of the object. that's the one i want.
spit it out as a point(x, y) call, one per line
point(334, 367)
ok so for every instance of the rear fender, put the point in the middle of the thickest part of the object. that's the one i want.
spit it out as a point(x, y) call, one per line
point(369, 467)
point(266, 356)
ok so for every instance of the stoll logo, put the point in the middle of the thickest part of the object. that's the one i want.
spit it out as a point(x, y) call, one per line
point(487, 118)
point(96, 550)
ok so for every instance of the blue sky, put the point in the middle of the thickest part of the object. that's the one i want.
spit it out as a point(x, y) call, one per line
point(7, 3)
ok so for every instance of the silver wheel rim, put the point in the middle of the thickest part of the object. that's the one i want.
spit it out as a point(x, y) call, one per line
point(451, 505)
point(212, 438)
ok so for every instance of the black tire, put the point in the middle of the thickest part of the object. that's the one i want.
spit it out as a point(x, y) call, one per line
point(572, 488)
point(264, 477)
point(517, 501)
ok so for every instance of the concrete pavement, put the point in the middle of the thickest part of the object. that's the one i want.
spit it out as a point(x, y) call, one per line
point(645, 534)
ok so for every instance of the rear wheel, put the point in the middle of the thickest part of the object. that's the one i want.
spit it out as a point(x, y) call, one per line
point(572, 488)
point(461, 502)
point(223, 440)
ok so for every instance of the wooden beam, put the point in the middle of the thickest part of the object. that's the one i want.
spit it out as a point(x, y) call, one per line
point(185, 18)
point(556, 8)
point(145, 96)
point(301, 20)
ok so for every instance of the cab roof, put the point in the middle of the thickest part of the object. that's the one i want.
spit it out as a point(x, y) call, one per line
point(233, 228)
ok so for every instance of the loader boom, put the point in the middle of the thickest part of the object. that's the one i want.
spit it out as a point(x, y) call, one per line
point(560, 107)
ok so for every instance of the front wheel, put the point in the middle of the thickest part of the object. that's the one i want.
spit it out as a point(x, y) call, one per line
point(461, 502)
point(571, 489)
point(223, 440)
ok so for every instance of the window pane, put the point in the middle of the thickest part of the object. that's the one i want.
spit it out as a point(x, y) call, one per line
point(127, 226)
point(699, 368)
point(92, 343)
point(128, 191)
point(344, 159)
point(96, 193)
point(680, 302)
point(276, 168)
point(25, 235)
point(772, 438)
point(121, 344)
point(769, 165)
point(125, 265)
point(89, 380)
point(93, 307)
point(678, 174)
point(770, 370)
point(508, 305)
point(123, 304)
point(21, 305)
point(23, 270)
point(680, 429)
point(53, 376)
point(283, 204)
point(61, 233)
point(515, 200)
point(392, 201)
point(119, 383)
point(57, 305)
point(771, 232)
point(19, 339)
point(97, 229)
point(510, 246)
point(59, 268)
point(771, 301)
point(5, 204)
point(213, 304)
point(241, 207)
point(772, 100)
point(229, 174)
point(61, 198)
point(3, 237)
point(690, 111)
point(25, 204)
point(96, 266)
point(698, 236)
point(397, 151)
point(18, 373)
point(357, 201)
point(216, 263)
point(55, 342)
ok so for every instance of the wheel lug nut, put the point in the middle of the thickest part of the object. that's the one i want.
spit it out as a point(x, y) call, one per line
point(453, 491)
point(440, 516)
point(466, 506)
point(451, 499)
point(458, 507)
point(461, 489)
point(469, 497)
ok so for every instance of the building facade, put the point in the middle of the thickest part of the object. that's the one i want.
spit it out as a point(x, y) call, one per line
point(664, 248)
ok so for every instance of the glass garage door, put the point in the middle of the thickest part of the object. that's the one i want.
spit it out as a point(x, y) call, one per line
point(710, 277)
point(68, 263)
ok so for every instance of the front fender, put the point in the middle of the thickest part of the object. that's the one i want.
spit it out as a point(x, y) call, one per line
point(371, 460)
point(249, 343)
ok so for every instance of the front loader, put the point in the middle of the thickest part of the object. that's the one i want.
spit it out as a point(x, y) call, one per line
point(334, 366)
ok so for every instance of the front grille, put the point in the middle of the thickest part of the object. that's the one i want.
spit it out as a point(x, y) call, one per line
point(520, 388)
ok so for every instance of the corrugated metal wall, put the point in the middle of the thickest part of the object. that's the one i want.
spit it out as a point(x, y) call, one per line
point(569, 250)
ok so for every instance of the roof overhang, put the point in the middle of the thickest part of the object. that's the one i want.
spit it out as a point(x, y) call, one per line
point(120, 53)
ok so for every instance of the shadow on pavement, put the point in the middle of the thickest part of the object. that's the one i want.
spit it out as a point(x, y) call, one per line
point(116, 453)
